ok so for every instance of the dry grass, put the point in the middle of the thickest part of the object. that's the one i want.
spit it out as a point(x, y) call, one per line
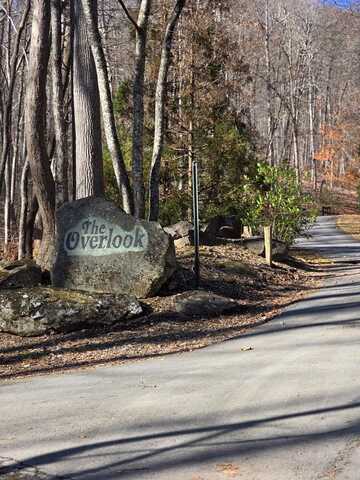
point(349, 224)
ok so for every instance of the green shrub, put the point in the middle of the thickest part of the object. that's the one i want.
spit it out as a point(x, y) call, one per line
point(272, 196)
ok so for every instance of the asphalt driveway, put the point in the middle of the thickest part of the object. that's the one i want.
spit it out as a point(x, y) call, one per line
point(286, 409)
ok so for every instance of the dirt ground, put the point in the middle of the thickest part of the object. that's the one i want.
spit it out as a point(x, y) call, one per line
point(228, 270)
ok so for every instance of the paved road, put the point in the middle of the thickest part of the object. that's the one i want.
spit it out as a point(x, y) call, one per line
point(288, 409)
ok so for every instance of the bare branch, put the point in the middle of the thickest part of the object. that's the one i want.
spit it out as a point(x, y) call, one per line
point(127, 13)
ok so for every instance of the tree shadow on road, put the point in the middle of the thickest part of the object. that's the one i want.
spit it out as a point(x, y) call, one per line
point(177, 448)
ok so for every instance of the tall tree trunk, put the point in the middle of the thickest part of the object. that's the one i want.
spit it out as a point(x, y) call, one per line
point(269, 93)
point(87, 124)
point(113, 143)
point(160, 98)
point(35, 125)
point(8, 104)
point(138, 110)
point(61, 159)
point(311, 137)
point(30, 226)
point(24, 196)
point(7, 221)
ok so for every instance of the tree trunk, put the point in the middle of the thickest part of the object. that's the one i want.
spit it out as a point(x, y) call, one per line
point(30, 226)
point(87, 124)
point(311, 139)
point(7, 222)
point(138, 110)
point(113, 143)
point(35, 125)
point(269, 93)
point(61, 159)
point(160, 96)
point(23, 209)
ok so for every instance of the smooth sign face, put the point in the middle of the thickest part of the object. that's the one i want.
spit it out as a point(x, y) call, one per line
point(96, 237)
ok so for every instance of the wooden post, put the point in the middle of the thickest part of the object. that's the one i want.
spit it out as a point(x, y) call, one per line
point(268, 244)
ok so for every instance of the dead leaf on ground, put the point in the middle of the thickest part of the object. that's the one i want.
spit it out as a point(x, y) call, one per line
point(262, 292)
point(229, 469)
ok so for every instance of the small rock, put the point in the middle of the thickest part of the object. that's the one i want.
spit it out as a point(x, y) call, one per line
point(255, 244)
point(247, 348)
point(199, 302)
point(179, 230)
point(19, 274)
point(182, 242)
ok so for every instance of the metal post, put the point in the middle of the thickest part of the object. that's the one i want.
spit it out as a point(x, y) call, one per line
point(195, 195)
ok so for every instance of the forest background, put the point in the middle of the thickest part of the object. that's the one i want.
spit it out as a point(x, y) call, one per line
point(124, 95)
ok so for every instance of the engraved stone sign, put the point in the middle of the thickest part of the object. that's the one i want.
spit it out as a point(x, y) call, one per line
point(101, 248)
point(95, 236)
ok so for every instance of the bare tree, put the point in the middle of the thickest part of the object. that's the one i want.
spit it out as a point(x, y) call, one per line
point(87, 124)
point(35, 124)
point(138, 109)
point(107, 105)
point(160, 99)
point(61, 160)
point(8, 103)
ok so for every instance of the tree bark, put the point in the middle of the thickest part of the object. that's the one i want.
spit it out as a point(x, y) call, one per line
point(87, 124)
point(35, 128)
point(112, 138)
point(61, 159)
point(30, 226)
point(160, 98)
point(23, 209)
point(138, 110)
point(311, 136)
point(7, 221)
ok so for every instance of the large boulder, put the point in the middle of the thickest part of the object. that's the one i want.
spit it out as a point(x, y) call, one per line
point(211, 229)
point(38, 311)
point(102, 249)
point(22, 273)
point(221, 226)
point(232, 227)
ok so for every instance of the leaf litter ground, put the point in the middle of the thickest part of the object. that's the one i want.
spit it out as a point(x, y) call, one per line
point(228, 270)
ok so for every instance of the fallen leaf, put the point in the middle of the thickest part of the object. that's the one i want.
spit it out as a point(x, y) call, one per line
point(228, 469)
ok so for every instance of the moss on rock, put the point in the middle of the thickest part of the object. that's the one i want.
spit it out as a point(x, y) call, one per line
point(41, 310)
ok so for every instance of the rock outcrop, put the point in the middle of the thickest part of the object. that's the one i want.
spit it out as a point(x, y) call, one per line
point(39, 311)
